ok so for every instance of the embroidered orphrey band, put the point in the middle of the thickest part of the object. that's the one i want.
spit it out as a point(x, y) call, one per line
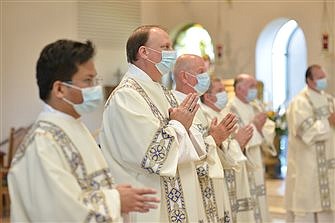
point(157, 153)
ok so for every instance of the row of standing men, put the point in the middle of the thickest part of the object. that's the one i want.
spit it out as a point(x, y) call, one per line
point(206, 164)
point(202, 160)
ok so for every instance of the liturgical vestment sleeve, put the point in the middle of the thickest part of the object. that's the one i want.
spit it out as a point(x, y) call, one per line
point(129, 113)
point(55, 192)
point(306, 126)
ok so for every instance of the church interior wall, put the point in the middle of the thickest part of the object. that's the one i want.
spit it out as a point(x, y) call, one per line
point(28, 26)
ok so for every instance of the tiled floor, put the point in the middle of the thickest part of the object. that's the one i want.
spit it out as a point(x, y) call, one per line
point(275, 192)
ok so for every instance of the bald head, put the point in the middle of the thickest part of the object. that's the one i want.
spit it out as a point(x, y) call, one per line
point(188, 62)
point(242, 84)
point(186, 68)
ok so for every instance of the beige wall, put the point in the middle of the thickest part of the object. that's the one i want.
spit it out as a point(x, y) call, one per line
point(241, 23)
point(27, 27)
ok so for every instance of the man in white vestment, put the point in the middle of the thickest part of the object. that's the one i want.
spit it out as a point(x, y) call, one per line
point(58, 173)
point(213, 105)
point(145, 134)
point(310, 181)
point(250, 111)
point(191, 77)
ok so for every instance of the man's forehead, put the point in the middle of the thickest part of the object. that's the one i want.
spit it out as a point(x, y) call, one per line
point(247, 80)
point(158, 35)
point(318, 72)
point(218, 84)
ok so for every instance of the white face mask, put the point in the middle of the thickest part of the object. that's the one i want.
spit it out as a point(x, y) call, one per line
point(221, 100)
point(321, 84)
point(252, 94)
point(203, 83)
point(168, 60)
point(92, 98)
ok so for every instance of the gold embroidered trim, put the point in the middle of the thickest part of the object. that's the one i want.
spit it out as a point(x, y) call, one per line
point(27, 140)
point(96, 201)
point(208, 194)
point(157, 154)
point(90, 184)
point(157, 151)
point(131, 83)
point(174, 199)
point(245, 204)
point(159, 148)
point(324, 165)
point(237, 205)
point(323, 175)
point(254, 192)
point(170, 97)
point(318, 113)
point(322, 112)
point(305, 125)
point(231, 184)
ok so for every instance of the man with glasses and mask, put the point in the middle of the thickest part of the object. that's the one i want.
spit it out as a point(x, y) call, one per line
point(213, 105)
point(251, 112)
point(145, 134)
point(58, 173)
point(191, 77)
point(310, 181)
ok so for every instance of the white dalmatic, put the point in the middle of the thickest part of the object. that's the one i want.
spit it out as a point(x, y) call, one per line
point(310, 182)
point(143, 147)
point(214, 193)
point(236, 176)
point(59, 174)
point(258, 141)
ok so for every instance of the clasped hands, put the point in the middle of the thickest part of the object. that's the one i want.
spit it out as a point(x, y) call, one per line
point(244, 135)
point(186, 111)
point(221, 131)
point(259, 121)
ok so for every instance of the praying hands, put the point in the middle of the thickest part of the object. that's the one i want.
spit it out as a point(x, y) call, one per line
point(186, 111)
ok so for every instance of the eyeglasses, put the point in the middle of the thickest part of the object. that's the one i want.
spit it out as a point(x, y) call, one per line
point(90, 81)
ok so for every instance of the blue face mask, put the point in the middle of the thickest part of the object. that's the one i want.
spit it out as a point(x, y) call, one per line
point(203, 83)
point(221, 100)
point(252, 94)
point(321, 84)
point(168, 60)
point(92, 98)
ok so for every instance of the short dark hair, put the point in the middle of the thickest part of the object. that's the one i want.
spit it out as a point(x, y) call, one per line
point(59, 61)
point(309, 72)
point(138, 38)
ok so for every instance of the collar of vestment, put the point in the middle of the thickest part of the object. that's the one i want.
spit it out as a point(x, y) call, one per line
point(180, 96)
point(47, 109)
point(208, 109)
point(240, 104)
point(138, 74)
point(312, 93)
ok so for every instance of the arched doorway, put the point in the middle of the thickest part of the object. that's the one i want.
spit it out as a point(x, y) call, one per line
point(281, 61)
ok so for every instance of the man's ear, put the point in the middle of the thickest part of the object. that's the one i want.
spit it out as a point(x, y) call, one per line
point(143, 52)
point(238, 88)
point(206, 96)
point(183, 76)
point(309, 80)
point(58, 89)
